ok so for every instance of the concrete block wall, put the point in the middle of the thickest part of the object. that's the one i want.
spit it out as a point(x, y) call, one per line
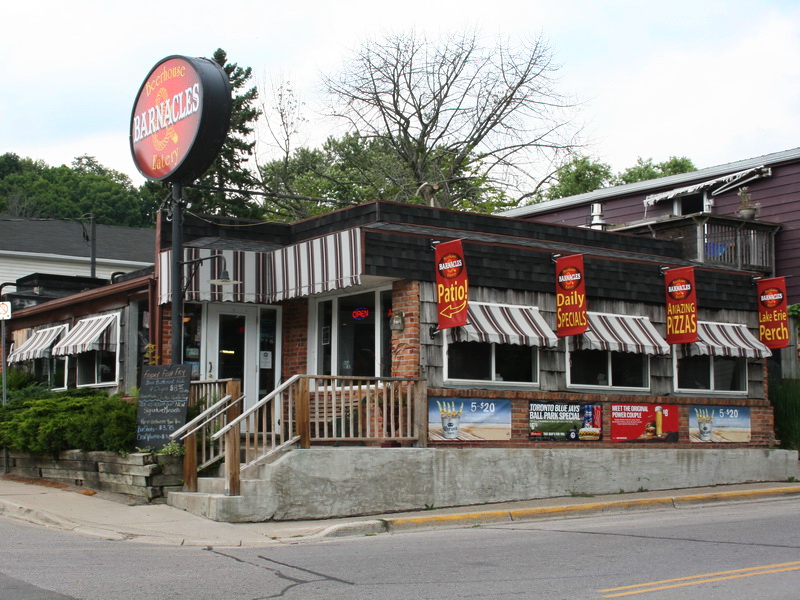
point(333, 482)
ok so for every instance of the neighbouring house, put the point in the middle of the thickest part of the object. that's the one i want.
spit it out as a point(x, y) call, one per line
point(702, 211)
point(66, 247)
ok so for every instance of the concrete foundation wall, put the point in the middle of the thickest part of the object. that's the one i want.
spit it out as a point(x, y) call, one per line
point(331, 482)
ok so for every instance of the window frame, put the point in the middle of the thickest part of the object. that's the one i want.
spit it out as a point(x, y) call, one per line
point(76, 360)
point(712, 390)
point(609, 372)
point(535, 367)
point(316, 331)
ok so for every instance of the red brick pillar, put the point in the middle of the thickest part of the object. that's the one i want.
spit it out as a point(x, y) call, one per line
point(406, 343)
point(295, 338)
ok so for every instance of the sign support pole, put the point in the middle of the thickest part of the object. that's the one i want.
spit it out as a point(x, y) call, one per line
point(177, 274)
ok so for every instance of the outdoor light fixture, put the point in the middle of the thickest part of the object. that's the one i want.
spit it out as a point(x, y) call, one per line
point(223, 279)
point(397, 322)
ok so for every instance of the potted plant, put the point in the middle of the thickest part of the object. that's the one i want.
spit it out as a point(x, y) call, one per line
point(747, 207)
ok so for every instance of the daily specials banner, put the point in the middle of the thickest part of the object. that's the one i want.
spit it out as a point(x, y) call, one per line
point(644, 423)
point(772, 313)
point(452, 285)
point(570, 296)
point(681, 305)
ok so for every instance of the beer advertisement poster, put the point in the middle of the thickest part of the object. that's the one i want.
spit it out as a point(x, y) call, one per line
point(644, 423)
point(773, 316)
point(468, 419)
point(570, 296)
point(565, 422)
point(719, 424)
point(452, 285)
point(681, 305)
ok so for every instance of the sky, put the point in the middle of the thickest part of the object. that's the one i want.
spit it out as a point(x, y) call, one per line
point(716, 81)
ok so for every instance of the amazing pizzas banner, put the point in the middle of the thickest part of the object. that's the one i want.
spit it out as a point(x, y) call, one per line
point(773, 316)
point(681, 305)
point(452, 285)
point(570, 296)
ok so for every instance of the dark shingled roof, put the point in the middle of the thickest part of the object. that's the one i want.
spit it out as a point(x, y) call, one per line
point(66, 238)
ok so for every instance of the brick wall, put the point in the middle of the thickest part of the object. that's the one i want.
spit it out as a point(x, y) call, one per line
point(295, 338)
point(406, 343)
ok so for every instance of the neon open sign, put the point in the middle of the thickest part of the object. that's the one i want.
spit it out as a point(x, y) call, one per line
point(360, 313)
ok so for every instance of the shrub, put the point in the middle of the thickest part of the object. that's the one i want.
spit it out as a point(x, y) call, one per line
point(785, 398)
point(83, 419)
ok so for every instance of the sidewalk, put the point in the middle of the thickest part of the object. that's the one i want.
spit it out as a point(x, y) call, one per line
point(118, 517)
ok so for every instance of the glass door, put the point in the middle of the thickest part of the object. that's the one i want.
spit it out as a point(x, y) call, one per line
point(242, 344)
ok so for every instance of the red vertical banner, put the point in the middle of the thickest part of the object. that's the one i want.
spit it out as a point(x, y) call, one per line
point(452, 285)
point(570, 296)
point(773, 316)
point(681, 305)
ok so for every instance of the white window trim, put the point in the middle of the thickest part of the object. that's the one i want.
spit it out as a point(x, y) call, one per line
point(712, 391)
point(570, 385)
point(313, 330)
point(489, 382)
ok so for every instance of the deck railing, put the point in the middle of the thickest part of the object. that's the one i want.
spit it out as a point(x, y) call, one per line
point(309, 409)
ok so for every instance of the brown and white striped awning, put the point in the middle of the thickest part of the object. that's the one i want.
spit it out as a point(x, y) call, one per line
point(323, 264)
point(39, 345)
point(727, 339)
point(94, 333)
point(504, 324)
point(622, 333)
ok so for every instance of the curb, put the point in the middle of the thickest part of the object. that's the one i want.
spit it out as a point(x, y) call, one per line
point(395, 525)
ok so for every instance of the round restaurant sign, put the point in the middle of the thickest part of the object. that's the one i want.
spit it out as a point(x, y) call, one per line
point(180, 119)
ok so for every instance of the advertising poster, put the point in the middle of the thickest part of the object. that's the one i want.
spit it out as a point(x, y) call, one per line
point(570, 296)
point(773, 317)
point(468, 419)
point(565, 422)
point(719, 424)
point(644, 423)
point(452, 285)
point(681, 305)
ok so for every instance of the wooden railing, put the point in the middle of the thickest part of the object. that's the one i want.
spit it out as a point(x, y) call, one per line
point(221, 401)
point(309, 409)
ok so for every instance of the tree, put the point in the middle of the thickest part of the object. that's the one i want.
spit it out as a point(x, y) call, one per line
point(461, 117)
point(34, 189)
point(645, 170)
point(229, 169)
point(582, 174)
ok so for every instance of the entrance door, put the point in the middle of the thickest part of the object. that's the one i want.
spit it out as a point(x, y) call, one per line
point(242, 344)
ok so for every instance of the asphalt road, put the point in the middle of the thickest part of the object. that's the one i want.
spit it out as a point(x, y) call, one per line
point(724, 551)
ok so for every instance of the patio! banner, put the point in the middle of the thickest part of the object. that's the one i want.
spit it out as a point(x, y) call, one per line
point(452, 285)
point(773, 316)
point(681, 305)
point(570, 296)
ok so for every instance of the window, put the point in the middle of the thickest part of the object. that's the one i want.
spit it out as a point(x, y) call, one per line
point(51, 371)
point(712, 373)
point(353, 336)
point(96, 367)
point(481, 361)
point(499, 343)
point(609, 369)
point(93, 344)
point(614, 352)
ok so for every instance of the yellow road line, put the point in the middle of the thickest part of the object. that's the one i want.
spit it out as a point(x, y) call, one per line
point(655, 586)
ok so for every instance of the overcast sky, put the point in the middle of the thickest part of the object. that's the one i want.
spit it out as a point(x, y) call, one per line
point(716, 81)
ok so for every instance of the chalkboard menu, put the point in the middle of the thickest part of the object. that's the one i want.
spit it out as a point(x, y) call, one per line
point(163, 400)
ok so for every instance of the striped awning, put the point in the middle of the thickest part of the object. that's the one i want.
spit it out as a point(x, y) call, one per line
point(94, 333)
point(504, 324)
point(725, 183)
point(327, 263)
point(38, 345)
point(622, 333)
point(727, 339)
